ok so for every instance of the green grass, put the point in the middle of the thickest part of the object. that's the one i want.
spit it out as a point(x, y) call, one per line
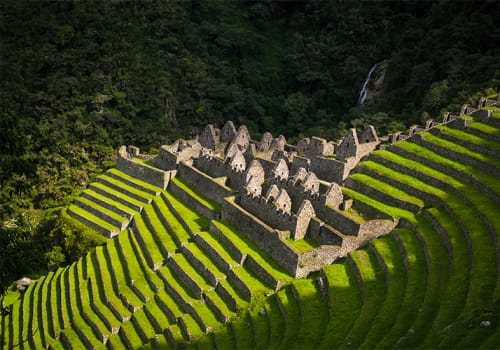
point(218, 247)
point(375, 290)
point(345, 303)
point(260, 325)
point(302, 245)
point(91, 217)
point(243, 332)
point(205, 260)
point(458, 283)
point(387, 188)
point(175, 228)
point(388, 250)
point(314, 311)
point(135, 180)
point(130, 190)
point(155, 247)
point(427, 136)
point(245, 245)
point(204, 200)
point(251, 281)
point(102, 209)
point(437, 276)
point(461, 135)
point(393, 211)
point(224, 338)
point(292, 317)
point(112, 193)
point(188, 269)
point(193, 219)
point(122, 274)
point(130, 333)
point(110, 201)
point(165, 238)
point(486, 128)
point(416, 277)
point(276, 321)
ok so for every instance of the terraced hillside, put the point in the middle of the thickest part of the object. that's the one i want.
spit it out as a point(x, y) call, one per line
point(178, 278)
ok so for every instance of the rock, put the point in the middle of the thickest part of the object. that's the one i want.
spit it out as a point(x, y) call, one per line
point(485, 324)
point(23, 284)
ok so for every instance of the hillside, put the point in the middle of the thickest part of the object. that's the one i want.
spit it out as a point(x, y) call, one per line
point(182, 275)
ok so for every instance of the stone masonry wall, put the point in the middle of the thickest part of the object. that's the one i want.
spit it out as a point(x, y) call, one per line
point(264, 236)
point(144, 172)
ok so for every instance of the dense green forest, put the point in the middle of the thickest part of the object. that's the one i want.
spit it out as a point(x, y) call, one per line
point(80, 78)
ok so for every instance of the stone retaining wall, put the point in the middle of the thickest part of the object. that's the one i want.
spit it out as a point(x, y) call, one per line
point(191, 201)
point(143, 172)
point(264, 236)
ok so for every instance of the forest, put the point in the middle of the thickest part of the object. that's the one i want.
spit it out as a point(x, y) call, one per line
point(80, 78)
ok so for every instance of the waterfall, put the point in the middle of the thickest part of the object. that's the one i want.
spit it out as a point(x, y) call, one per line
point(364, 89)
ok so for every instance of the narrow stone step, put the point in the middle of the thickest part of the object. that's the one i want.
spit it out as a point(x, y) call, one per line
point(125, 189)
point(117, 196)
point(103, 213)
point(93, 221)
point(134, 182)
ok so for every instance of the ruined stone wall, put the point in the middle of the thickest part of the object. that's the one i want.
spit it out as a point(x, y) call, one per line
point(264, 236)
point(144, 172)
point(328, 169)
point(211, 166)
point(166, 159)
point(204, 183)
point(267, 212)
point(323, 233)
point(317, 258)
point(343, 223)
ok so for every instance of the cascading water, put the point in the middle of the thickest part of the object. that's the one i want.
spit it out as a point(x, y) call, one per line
point(364, 89)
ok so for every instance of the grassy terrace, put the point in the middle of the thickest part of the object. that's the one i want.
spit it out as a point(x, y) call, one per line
point(124, 188)
point(388, 251)
point(242, 331)
point(116, 195)
point(133, 181)
point(80, 212)
point(167, 242)
point(152, 246)
point(461, 135)
point(99, 208)
point(345, 301)
point(174, 226)
point(485, 178)
point(427, 136)
point(246, 246)
point(314, 311)
point(116, 206)
point(207, 202)
point(387, 189)
point(416, 276)
point(374, 291)
point(291, 309)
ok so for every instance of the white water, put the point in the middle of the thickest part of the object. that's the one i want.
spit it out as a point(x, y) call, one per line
point(364, 89)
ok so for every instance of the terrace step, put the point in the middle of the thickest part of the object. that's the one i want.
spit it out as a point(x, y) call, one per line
point(384, 192)
point(290, 309)
point(134, 182)
point(243, 332)
point(202, 204)
point(372, 280)
point(103, 213)
point(125, 189)
point(188, 275)
point(458, 152)
point(170, 223)
point(469, 141)
point(117, 196)
point(150, 244)
point(416, 276)
point(203, 263)
point(149, 220)
point(93, 221)
point(389, 257)
point(483, 130)
point(110, 204)
point(232, 297)
point(485, 182)
point(218, 306)
point(261, 327)
point(314, 313)
point(344, 303)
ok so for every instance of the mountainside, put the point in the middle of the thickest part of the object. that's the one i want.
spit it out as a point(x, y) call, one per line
point(183, 276)
point(80, 78)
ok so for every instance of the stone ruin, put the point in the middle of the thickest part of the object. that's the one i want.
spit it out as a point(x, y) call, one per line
point(275, 193)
